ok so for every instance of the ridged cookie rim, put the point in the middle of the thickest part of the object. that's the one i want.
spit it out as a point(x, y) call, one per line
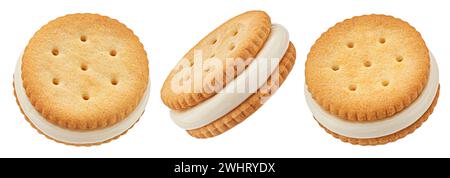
point(391, 137)
point(66, 143)
point(189, 100)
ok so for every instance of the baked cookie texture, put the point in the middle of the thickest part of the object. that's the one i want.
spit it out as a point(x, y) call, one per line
point(252, 104)
point(367, 68)
point(241, 37)
point(84, 71)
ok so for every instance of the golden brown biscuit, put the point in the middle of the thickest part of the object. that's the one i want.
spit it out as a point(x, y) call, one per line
point(367, 67)
point(249, 37)
point(84, 72)
point(239, 38)
point(364, 72)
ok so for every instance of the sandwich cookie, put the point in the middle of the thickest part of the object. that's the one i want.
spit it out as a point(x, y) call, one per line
point(82, 80)
point(228, 75)
point(371, 80)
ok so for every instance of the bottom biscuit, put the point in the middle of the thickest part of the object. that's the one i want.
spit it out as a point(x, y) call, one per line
point(388, 138)
point(251, 104)
point(72, 144)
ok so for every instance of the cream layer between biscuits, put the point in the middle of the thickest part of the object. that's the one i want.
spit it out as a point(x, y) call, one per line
point(225, 101)
point(375, 129)
point(73, 136)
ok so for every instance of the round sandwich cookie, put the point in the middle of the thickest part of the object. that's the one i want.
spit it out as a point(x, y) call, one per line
point(371, 80)
point(82, 80)
point(228, 75)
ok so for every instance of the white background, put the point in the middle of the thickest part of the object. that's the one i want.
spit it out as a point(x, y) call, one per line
point(283, 127)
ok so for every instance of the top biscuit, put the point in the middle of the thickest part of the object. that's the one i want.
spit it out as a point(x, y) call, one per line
point(367, 68)
point(84, 71)
point(239, 38)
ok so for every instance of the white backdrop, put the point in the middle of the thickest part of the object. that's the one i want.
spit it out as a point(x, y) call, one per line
point(283, 127)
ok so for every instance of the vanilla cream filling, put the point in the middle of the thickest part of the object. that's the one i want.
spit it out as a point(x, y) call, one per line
point(228, 99)
point(73, 136)
point(375, 129)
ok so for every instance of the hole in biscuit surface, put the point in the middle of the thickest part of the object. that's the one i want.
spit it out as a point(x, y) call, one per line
point(382, 40)
point(350, 45)
point(231, 48)
point(55, 52)
point(55, 81)
point(399, 58)
point(114, 81)
point(335, 68)
point(352, 87)
point(367, 63)
point(213, 42)
point(385, 83)
point(85, 97)
point(113, 53)
point(83, 38)
point(235, 33)
point(84, 67)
